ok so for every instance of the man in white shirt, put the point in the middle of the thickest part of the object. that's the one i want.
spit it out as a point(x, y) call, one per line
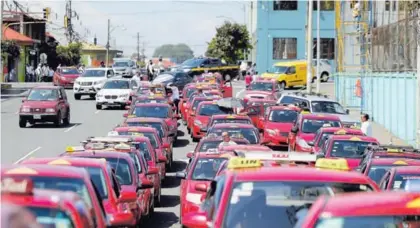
point(226, 140)
point(243, 67)
point(137, 78)
point(366, 125)
point(174, 96)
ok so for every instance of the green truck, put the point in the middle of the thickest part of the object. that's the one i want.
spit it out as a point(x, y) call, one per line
point(197, 66)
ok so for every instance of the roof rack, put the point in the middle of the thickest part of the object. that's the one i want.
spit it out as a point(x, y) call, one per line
point(303, 94)
point(109, 139)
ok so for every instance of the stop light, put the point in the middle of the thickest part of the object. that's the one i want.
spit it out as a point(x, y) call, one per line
point(47, 12)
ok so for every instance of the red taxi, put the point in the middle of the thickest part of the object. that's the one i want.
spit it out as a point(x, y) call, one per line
point(212, 141)
point(278, 121)
point(162, 145)
point(187, 92)
point(306, 127)
point(147, 99)
point(249, 195)
point(51, 208)
point(390, 151)
point(65, 76)
point(143, 89)
point(249, 94)
point(256, 109)
point(350, 147)
point(45, 104)
point(324, 132)
point(205, 110)
point(405, 178)
point(375, 168)
point(192, 107)
point(247, 131)
point(230, 118)
point(266, 85)
point(160, 111)
point(196, 178)
point(379, 209)
point(60, 179)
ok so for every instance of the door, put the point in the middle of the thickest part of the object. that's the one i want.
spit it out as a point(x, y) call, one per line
point(253, 113)
point(227, 89)
point(292, 77)
point(301, 74)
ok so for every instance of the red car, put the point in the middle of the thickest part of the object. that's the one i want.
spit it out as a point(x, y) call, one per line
point(192, 109)
point(147, 99)
point(306, 127)
point(201, 117)
point(60, 179)
point(390, 151)
point(187, 92)
point(160, 111)
point(212, 142)
point(231, 118)
point(249, 94)
point(278, 121)
point(405, 178)
point(249, 195)
point(65, 76)
point(51, 208)
point(256, 109)
point(266, 85)
point(324, 132)
point(248, 131)
point(196, 179)
point(349, 147)
point(378, 209)
point(45, 104)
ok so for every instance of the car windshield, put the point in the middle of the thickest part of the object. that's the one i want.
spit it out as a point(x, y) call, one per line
point(376, 172)
point(261, 86)
point(311, 126)
point(268, 204)
point(212, 109)
point(233, 121)
point(407, 182)
point(151, 101)
point(51, 217)
point(155, 125)
point(98, 178)
point(122, 170)
point(393, 221)
point(192, 62)
point(283, 116)
point(151, 111)
point(142, 146)
point(327, 107)
point(76, 185)
point(349, 149)
point(69, 71)
point(43, 95)
point(116, 84)
point(205, 146)
point(206, 168)
point(121, 64)
point(278, 69)
point(93, 73)
point(248, 133)
point(196, 103)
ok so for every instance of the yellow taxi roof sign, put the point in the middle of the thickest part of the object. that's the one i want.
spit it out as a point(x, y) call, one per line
point(131, 116)
point(59, 162)
point(305, 112)
point(138, 134)
point(238, 163)
point(22, 170)
point(335, 164)
point(231, 117)
point(414, 203)
point(392, 150)
point(122, 146)
point(69, 149)
point(340, 132)
point(355, 138)
point(400, 163)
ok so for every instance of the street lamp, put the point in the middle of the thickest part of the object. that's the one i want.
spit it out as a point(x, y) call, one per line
point(110, 30)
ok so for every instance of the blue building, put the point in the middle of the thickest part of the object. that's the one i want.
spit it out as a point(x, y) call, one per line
point(278, 31)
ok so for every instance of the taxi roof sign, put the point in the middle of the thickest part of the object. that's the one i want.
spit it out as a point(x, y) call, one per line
point(96, 146)
point(239, 163)
point(414, 203)
point(11, 185)
point(71, 149)
point(355, 138)
point(131, 116)
point(230, 117)
point(59, 162)
point(113, 133)
point(281, 156)
point(400, 163)
point(340, 132)
point(335, 164)
point(122, 146)
point(22, 170)
point(110, 139)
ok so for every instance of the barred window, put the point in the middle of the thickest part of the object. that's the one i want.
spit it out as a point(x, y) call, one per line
point(285, 5)
point(326, 5)
point(327, 48)
point(387, 5)
point(284, 48)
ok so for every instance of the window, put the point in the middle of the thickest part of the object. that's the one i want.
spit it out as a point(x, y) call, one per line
point(326, 5)
point(285, 5)
point(387, 5)
point(284, 48)
point(327, 48)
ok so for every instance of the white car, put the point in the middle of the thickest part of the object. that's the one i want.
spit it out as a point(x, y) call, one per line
point(91, 81)
point(324, 69)
point(116, 93)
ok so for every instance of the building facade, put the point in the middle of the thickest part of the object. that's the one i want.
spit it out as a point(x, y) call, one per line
point(278, 31)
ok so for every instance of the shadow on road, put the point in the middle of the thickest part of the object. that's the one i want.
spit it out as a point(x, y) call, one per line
point(169, 201)
point(171, 182)
point(162, 219)
point(51, 125)
point(180, 133)
point(177, 166)
point(181, 142)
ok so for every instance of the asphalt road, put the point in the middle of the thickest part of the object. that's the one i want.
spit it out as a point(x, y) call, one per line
point(47, 141)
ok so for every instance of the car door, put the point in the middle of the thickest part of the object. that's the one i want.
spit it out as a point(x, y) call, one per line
point(253, 113)
point(227, 89)
point(292, 77)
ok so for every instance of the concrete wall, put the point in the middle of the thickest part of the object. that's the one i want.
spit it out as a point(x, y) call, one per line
point(288, 24)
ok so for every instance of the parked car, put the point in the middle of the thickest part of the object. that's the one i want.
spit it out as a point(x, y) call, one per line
point(91, 81)
point(65, 76)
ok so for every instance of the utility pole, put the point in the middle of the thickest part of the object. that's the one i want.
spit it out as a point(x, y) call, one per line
point(1, 38)
point(318, 48)
point(143, 49)
point(418, 86)
point(309, 49)
point(138, 46)
point(69, 27)
point(107, 42)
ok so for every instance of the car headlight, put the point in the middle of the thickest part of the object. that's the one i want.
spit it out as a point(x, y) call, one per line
point(25, 109)
point(197, 122)
point(302, 143)
point(50, 110)
point(271, 132)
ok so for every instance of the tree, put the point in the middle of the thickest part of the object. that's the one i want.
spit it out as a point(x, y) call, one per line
point(179, 52)
point(229, 43)
point(69, 55)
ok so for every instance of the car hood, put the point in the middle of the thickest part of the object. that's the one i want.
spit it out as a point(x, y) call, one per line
point(282, 127)
point(40, 104)
point(164, 79)
point(72, 76)
point(120, 68)
point(307, 137)
point(90, 79)
point(114, 91)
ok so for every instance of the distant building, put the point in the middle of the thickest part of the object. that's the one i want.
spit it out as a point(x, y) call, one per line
point(93, 55)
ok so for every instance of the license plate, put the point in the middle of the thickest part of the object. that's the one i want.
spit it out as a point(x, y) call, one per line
point(111, 102)
point(37, 117)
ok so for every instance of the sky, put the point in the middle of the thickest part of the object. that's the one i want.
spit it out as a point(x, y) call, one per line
point(158, 22)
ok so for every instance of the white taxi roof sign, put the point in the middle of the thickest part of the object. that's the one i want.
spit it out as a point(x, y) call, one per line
point(109, 139)
point(113, 133)
point(122, 146)
point(334, 164)
point(281, 156)
point(239, 163)
point(96, 146)
point(10, 185)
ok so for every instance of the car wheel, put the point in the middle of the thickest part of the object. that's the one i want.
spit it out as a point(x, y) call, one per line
point(22, 123)
point(324, 77)
point(77, 96)
point(98, 106)
point(66, 120)
point(57, 121)
point(283, 85)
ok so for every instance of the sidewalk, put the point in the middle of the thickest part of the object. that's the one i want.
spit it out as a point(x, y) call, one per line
point(378, 131)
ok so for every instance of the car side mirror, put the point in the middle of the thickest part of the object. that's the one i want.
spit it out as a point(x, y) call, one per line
point(294, 130)
point(181, 175)
point(127, 196)
point(311, 143)
point(190, 154)
point(125, 115)
point(162, 159)
point(146, 183)
point(152, 171)
point(201, 187)
point(347, 111)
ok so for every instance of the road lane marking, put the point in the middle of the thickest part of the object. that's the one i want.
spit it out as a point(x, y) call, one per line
point(71, 128)
point(28, 154)
point(97, 111)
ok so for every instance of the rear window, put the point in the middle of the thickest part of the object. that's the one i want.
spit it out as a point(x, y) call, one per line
point(349, 149)
point(155, 125)
point(212, 109)
point(283, 116)
point(311, 126)
point(407, 182)
point(206, 168)
point(142, 146)
point(376, 172)
point(51, 217)
point(122, 170)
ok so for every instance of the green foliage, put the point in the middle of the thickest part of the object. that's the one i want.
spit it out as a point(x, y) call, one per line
point(49, 48)
point(10, 48)
point(229, 43)
point(178, 52)
point(69, 55)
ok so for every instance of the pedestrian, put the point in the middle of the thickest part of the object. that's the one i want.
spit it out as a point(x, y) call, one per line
point(366, 125)
point(356, 14)
point(27, 73)
point(248, 80)
point(45, 72)
point(227, 141)
point(243, 68)
point(255, 76)
point(12, 75)
point(32, 74)
point(38, 73)
point(174, 96)
point(137, 77)
point(5, 73)
point(50, 74)
point(102, 64)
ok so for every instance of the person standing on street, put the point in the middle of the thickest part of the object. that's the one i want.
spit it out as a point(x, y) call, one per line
point(137, 78)
point(50, 74)
point(248, 80)
point(174, 96)
point(38, 73)
point(366, 125)
point(243, 68)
